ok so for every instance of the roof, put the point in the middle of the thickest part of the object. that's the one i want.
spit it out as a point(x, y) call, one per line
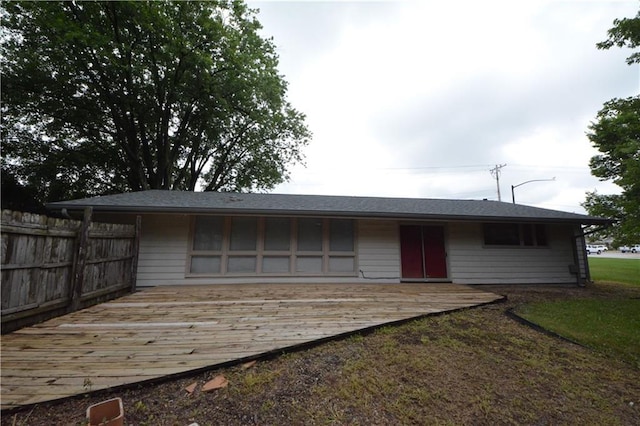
point(165, 201)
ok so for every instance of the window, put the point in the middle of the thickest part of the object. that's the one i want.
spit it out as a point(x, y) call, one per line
point(206, 250)
point(341, 235)
point(243, 233)
point(275, 246)
point(277, 234)
point(501, 234)
point(273, 264)
point(513, 234)
point(208, 233)
point(205, 264)
point(541, 235)
point(310, 234)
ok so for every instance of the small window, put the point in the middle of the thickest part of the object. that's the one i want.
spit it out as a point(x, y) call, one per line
point(207, 235)
point(205, 264)
point(541, 235)
point(502, 234)
point(341, 235)
point(309, 234)
point(237, 264)
point(512, 234)
point(341, 264)
point(274, 264)
point(309, 264)
point(244, 231)
point(277, 234)
point(527, 235)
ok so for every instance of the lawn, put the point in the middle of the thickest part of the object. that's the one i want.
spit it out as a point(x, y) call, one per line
point(609, 326)
point(615, 270)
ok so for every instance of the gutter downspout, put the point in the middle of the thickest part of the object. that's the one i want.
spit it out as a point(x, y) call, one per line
point(585, 257)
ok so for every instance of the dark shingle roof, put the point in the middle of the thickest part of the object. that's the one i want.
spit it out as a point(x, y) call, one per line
point(159, 201)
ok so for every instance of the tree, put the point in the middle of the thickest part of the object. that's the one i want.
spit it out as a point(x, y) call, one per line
point(616, 134)
point(104, 97)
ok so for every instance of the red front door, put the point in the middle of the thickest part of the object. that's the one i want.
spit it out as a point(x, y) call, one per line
point(422, 252)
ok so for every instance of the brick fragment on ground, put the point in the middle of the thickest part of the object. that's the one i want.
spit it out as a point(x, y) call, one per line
point(191, 388)
point(248, 365)
point(215, 383)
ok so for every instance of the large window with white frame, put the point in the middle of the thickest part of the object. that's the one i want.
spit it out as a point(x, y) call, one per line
point(271, 246)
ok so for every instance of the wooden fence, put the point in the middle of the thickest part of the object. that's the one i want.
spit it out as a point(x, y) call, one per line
point(54, 266)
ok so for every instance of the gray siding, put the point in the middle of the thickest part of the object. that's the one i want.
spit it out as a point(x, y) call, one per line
point(164, 243)
point(471, 262)
point(163, 250)
point(379, 250)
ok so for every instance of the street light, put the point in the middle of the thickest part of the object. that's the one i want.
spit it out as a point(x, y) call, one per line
point(513, 196)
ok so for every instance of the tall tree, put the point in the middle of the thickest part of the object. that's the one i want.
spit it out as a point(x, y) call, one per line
point(103, 97)
point(616, 134)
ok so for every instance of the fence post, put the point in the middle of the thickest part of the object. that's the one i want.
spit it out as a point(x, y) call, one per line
point(80, 260)
point(135, 249)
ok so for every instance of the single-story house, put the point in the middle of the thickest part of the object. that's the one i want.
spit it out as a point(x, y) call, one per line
point(221, 237)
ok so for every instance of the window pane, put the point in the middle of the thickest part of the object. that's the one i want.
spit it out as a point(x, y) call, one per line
point(341, 235)
point(277, 234)
point(205, 264)
point(207, 233)
point(275, 264)
point(309, 264)
point(502, 234)
point(241, 264)
point(341, 264)
point(243, 233)
point(527, 235)
point(541, 235)
point(309, 234)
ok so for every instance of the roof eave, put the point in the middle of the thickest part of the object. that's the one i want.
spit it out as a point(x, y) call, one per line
point(586, 220)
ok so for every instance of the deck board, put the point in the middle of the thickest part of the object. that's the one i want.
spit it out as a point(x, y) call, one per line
point(170, 330)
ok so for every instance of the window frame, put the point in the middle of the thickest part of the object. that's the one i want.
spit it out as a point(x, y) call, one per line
point(260, 253)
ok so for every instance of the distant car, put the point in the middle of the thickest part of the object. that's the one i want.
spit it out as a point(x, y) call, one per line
point(591, 249)
point(600, 247)
point(633, 249)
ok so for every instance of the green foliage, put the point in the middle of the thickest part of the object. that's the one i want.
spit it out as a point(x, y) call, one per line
point(625, 33)
point(616, 134)
point(611, 326)
point(626, 271)
point(103, 97)
point(625, 229)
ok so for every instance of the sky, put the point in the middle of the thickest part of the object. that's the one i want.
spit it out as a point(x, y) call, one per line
point(422, 99)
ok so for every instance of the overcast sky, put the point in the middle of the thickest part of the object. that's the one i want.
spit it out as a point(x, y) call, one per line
point(423, 98)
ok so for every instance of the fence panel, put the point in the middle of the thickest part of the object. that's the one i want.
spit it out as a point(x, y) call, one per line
point(53, 266)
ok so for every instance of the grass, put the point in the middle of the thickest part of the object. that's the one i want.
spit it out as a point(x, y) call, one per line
point(615, 270)
point(610, 326)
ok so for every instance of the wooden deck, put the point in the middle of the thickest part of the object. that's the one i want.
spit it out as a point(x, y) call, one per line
point(169, 330)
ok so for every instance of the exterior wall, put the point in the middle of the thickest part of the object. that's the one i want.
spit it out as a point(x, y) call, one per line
point(379, 250)
point(162, 254)
point(470, 262)
point(164, 244)
point(165, 239)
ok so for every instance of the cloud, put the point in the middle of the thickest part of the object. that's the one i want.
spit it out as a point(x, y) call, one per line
point(402, 97)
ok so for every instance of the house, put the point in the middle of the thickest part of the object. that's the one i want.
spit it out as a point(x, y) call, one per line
point(218, 237)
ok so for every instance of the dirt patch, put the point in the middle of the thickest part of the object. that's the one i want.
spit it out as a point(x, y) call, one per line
point(474, 366)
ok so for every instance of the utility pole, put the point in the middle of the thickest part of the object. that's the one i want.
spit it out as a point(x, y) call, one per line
point(495, 172)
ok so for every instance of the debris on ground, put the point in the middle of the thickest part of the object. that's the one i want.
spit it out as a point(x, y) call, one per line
point(216, 383)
